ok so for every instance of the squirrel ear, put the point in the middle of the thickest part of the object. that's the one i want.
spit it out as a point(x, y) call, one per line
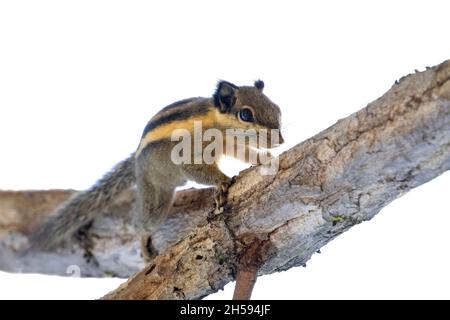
point(259, 84)
point(225, 96)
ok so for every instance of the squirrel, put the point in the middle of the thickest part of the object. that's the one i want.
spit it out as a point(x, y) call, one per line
point(152, 170)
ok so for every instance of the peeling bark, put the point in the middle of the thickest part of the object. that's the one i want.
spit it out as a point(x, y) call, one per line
point(325, 185)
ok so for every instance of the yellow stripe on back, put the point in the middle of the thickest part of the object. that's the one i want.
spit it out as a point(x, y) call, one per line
point(165, 131)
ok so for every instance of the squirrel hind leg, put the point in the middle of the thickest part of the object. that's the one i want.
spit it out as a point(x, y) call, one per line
point(148, 251)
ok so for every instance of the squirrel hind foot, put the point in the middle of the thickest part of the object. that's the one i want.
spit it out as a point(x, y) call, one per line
point(148, 251)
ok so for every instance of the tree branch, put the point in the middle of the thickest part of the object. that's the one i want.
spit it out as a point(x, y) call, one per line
point(325, 185)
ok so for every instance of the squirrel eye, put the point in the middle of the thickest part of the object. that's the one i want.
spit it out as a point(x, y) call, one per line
point(246, 115)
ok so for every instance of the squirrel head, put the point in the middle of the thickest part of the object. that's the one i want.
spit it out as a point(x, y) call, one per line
point(247, 107)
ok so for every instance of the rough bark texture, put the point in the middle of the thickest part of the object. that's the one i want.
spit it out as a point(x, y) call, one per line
point(325, 185)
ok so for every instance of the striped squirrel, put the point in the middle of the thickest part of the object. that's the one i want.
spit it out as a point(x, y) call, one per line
point(152, 170)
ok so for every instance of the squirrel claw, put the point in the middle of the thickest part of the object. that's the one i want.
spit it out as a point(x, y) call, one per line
point(221, 195)
point(220, 199)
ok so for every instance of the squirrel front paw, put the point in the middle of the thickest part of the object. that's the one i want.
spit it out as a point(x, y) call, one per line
point(221, 194)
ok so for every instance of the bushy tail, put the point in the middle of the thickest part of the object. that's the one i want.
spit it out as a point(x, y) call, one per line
point(81, 209)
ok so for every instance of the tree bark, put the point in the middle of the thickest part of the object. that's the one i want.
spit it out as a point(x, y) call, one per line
point(342, 176)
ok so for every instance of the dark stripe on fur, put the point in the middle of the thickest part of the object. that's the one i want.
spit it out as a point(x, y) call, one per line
point(182, 114)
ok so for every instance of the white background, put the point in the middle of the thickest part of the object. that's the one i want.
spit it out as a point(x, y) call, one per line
point(79, 80)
